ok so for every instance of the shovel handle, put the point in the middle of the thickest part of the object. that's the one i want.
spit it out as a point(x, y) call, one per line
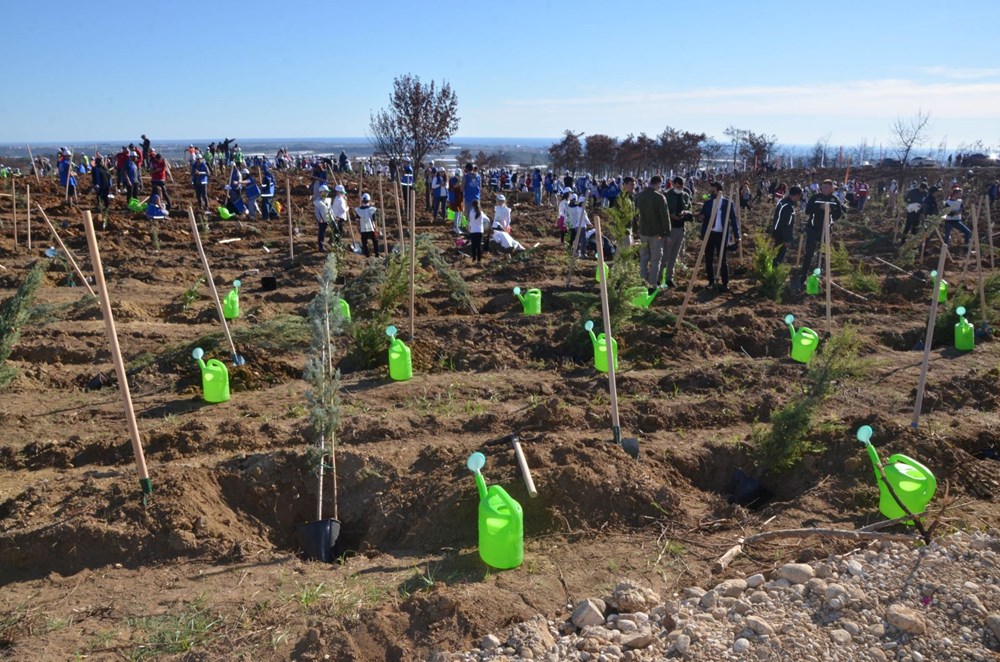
point(525, 471)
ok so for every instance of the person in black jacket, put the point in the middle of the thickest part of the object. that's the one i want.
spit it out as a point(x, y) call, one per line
point(914, 199)
point(815, 213)
point(783, 225)
point(718, 240)
point(679, 206)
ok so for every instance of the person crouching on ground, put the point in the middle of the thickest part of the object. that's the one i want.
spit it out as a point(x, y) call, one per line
point(367, 225)
point(153, 209)
point(718, 240)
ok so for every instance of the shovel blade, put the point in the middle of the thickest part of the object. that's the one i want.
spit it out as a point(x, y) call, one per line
point(631, 446)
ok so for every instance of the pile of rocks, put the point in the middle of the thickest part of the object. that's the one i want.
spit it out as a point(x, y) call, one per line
point(940, 602)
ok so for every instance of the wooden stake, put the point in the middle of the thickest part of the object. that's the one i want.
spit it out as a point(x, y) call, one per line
point(577, 240)
point(413, 252)
point(211, 283)
point(34, 167)
point(288, 203)
point(979, 264)
point(929, 338)
point(69, 176)
point(697, 263)
point(399, 214)
point(826, 241)
point(66, 251)
point(989, 232)
point(968, 249)
point(606, 315)
point(725, 231)
point(27, 207)
point(116, 355)
point(798, 255)
point(13, 202)
point(739, 221)
point(381, 210)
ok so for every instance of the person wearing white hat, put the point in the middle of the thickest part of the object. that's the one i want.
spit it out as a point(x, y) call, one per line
point(578, 221)
point(501, 214)
point(338, 209)
point(323, 216)
point(564, 194)
point(367, 225)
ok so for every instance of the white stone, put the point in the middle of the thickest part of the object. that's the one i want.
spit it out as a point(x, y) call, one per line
point(854, 568)
point(905, 619)
point(682, 644)
point(796, 573)
point(840, 637)
point(754, 581)
point(759, 625)
point(741, 646)
point(588, 612)
point(490, 642)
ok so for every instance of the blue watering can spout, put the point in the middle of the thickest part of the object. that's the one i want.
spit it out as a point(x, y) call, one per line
point(199, 354)
point(589, 326)
point(789, 319)
point(517, 293)
point(476, 463)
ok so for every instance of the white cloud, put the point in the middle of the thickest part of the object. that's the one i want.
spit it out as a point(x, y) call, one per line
point(960, 73)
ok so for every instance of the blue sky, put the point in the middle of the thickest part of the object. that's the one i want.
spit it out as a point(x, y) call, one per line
point(177, 69)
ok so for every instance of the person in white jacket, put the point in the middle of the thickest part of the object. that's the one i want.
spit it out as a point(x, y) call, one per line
point(578, 222)
point(367, 225)
point(322, 207)
point(561, 221)
point(338, 209)
point(477, 221)
point(501, 214)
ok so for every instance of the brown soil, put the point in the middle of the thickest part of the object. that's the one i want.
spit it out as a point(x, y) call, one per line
point(210, 566)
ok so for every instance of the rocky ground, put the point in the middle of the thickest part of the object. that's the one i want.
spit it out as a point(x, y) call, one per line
point(888, 602)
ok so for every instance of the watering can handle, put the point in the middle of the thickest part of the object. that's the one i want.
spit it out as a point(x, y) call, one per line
point(508, 500)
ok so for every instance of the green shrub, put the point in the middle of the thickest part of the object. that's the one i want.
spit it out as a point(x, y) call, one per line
point(623, 275)
point(459, 288)
point(14, 314)
point(771, 279)
point(840, 259)
point(864, 282)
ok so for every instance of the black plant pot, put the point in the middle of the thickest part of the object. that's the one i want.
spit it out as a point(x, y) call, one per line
point(317, 539)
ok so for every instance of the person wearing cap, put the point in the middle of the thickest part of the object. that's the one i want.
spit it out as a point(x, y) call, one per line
point(578, 222)
point(367, 224)
point(158, 176)
point(406, 183)
point(501, 214)
point(679, 208)
point(914, 200)
point(323, 217)
point(719, 239)
point(199, 180)
point(67, 178)
point(654, 227)
point(338, 209)
point(561, 217)
point(815, 214)
point(953, 218)
point(501, 239)
point(439, 185)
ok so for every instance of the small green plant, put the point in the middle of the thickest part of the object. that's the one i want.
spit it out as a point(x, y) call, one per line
point(14, 314)
point(771, 278)
point(310, 595)
point(840, 259)
point(623, 276)
point(380, 291)
point(619, 218)
point(780, 446)
point(169, 633)
point(459, 288)
point(865, 282)
point(191, 294)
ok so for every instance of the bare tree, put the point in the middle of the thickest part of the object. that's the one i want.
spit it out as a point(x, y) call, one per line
point(420, 119)
point(909, 133)
point(567, 153)
point(601, 152)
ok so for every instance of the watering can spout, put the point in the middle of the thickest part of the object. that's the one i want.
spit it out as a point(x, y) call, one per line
point(475, 464)
point(198, 354)
point(788, 320)
point(517, 293)
point(589, 326)
point(865, 437)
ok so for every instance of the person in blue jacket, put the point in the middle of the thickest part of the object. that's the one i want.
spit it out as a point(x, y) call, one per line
point(267, 192)
point(199, 180)
point(252, 191)
point(66, 174)
point(472, 185)
point(131, 180)
point(550, 187)
point(720, 238)
point(611, 193)
point(536, 185)
point(154, 210)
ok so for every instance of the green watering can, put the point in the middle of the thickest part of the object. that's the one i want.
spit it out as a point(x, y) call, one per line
point(530, 300)
point(400, 361)
point(965, 333)
point(501, 521)
point(639, 297)
point(804, 341)
point(451, 214)
point(912, 482)
point(136, 206)
point(942, 288)
point(225, 214)
point(231, 304)
point(214, 377)
point(601, 348)
point(597, 272)
point(812, 283)
point(345, 310)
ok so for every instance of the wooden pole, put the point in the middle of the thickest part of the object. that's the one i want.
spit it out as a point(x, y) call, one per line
point(979, 264)
point(697, 263)
point(413, 252)
point(381, 210)
point(66, 251)
point(116, 355)
point(34, 168)
point(288, 203)
point(829, 287)
point(211, 283)
point(989, 232)
point(968, 249)
point(929, 338)
point(606, 315)
point(27, 207)
point(69, 175)
point(739, 220)
point(725, 231)
point(13, 202)
point(399, 214)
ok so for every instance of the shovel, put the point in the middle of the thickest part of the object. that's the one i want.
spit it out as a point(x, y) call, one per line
point(515, 442)
point(629, 444)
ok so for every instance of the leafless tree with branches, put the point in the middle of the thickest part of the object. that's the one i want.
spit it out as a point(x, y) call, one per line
point(420, 119)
